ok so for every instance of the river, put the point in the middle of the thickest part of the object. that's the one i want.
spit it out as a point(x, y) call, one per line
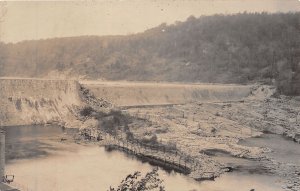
point(40, 162)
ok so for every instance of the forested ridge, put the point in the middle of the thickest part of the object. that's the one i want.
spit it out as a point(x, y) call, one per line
point(239, 48)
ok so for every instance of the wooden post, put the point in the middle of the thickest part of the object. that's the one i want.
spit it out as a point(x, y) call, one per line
point(2, 154)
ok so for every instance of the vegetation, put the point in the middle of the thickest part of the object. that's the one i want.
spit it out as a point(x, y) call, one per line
point(113, 121)
point(240, 48)
point(86, 111)
point(134, 182)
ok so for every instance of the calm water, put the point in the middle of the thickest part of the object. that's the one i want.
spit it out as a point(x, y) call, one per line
point(41, 162)
point(283, 149)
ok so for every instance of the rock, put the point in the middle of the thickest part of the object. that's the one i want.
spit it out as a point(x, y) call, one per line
point(219, 114)
point(289, 186)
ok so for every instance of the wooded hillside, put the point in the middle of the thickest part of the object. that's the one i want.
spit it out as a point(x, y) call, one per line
point(241, 48)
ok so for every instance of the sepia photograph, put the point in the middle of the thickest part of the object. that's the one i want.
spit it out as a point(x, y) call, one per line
point(150, 95)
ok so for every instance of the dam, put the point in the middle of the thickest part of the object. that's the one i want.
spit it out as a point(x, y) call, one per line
point(40, 101)
point(150, 93)
point(37, 101)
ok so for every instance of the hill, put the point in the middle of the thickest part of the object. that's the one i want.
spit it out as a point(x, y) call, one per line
point(240, 48)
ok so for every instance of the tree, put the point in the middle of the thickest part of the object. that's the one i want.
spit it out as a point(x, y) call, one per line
point(134, 182)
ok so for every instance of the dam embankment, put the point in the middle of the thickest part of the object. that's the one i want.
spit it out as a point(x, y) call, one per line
point(140, 93)
point(37, 101)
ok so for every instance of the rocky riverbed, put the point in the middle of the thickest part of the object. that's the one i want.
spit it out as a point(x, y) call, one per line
point(194, 128)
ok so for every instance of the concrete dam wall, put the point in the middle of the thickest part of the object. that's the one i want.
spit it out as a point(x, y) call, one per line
point(37, 101)
point(133, 94)
point(40, 101)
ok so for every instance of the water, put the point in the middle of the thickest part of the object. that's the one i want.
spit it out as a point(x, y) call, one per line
point(240, 165)
point(24, 142)
point(40, 161)
point(283, 149)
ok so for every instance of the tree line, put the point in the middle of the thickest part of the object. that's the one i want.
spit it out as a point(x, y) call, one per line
point(238, 48)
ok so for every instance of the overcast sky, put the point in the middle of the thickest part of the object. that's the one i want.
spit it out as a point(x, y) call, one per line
point(39, 20)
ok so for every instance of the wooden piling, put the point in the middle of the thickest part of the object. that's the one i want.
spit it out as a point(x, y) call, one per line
point(2, 154)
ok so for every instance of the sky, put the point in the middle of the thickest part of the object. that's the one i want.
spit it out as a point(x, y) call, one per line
point(27, 20)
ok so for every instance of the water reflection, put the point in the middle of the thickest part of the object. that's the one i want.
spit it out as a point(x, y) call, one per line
point(23, 142)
